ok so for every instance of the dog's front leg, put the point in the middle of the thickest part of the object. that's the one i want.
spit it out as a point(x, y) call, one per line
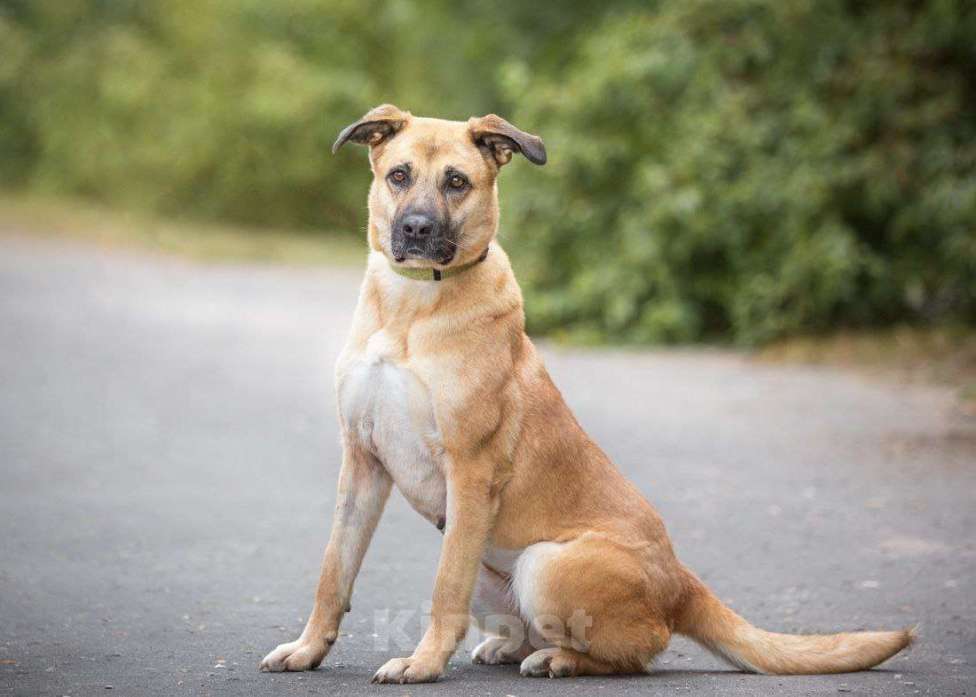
point(470, 513)
point(364, 487)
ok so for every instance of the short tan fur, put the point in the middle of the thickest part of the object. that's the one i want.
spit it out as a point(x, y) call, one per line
point(442, 394)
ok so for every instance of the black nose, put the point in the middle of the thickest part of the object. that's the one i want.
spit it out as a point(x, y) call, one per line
point(418, 225)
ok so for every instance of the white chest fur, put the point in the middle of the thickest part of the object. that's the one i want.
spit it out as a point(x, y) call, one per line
point(387, 409)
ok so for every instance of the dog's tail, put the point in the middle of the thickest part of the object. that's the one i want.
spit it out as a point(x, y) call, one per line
point(708, 621)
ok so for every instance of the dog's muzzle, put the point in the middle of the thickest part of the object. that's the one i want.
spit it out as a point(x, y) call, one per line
point(421, 235)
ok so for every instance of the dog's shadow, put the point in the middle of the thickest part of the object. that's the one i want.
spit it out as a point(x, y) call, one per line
point(467, 674)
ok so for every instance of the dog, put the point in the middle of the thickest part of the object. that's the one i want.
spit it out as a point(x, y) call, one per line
point(441, 393)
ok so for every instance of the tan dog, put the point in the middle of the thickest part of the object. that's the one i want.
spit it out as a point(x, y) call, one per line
point(441, 392)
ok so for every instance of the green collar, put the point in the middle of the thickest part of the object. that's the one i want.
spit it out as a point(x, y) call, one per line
point(437, 274)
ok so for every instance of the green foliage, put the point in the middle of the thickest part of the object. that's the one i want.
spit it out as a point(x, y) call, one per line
point(227, 109)
point(752, 168)
point(222, 109)
point(718, 168)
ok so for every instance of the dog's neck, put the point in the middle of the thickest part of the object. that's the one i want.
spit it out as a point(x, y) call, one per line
point(487, 288)
point(435, 274)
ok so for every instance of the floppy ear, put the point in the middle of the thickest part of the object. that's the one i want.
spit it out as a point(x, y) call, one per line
point(501, 139)
point(377, 125)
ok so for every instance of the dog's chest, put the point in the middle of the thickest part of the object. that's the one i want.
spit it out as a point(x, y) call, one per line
point(389, 411)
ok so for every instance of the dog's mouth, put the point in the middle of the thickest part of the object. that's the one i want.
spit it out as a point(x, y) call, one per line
point(437, 251)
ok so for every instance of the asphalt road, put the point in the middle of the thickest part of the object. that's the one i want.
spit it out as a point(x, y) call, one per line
point(168, 452)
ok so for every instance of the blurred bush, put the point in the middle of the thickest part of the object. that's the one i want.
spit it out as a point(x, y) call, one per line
point(718, 168)
point(227, 109)
point(751, 168)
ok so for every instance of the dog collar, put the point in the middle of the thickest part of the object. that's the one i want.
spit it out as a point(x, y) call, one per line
point(437, 274)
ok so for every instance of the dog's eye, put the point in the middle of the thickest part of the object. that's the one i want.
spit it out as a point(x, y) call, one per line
point(457, 182)
point(398, 176)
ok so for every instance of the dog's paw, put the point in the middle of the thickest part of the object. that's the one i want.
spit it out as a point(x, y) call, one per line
point(295, 655)
point(495, 651)
point(407, 670)
point(551, 663)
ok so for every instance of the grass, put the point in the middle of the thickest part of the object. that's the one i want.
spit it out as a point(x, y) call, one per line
point(945, 356)
point(73, 219)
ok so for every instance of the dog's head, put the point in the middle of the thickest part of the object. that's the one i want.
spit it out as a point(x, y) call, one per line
point(433, 201)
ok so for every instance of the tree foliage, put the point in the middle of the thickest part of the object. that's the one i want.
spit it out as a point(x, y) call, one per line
point(753, 168)
point(718, 168)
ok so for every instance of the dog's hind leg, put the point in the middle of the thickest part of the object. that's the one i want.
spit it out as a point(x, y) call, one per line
point(557, 662)
point(592, 600)
point(495, 613)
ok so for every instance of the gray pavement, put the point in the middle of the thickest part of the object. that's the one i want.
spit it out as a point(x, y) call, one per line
point(168, 452)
